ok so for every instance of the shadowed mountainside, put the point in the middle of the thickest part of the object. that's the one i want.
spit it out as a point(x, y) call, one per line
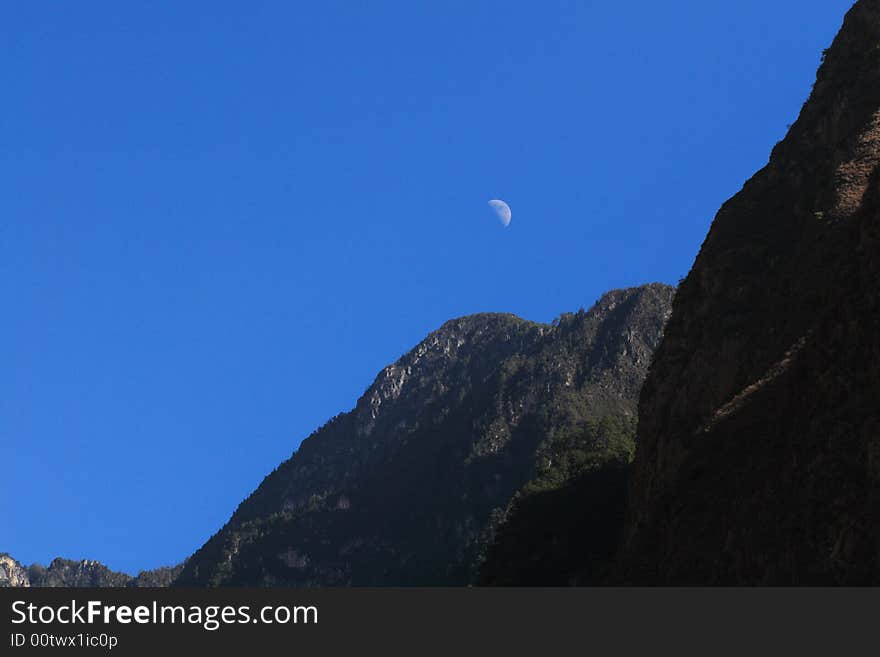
point(409, 486)
point(758, 455)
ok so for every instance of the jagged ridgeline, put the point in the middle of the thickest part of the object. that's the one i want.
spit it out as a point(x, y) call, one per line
point(84, 573)
point(409, 487)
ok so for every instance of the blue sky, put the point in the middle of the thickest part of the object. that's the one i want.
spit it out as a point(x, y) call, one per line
point(219, 220)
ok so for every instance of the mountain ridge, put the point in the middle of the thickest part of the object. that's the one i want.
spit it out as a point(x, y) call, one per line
point(536, 405)
point(439, 442)
point(79, 574)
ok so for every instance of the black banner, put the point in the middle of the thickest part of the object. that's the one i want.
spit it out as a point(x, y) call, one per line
point(454, 621)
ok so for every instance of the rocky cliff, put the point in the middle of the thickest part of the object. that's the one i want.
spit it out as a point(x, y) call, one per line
point(758, 454)
point(409, 486)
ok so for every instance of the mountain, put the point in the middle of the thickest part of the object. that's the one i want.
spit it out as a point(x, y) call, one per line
point(758, 457)
point(409, 487)
point(85, 573)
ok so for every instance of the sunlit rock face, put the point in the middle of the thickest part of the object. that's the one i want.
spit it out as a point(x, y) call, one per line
point(12, 573)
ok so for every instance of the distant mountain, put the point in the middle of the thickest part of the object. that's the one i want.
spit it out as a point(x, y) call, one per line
point(85, 573)
point(410, 486)
point(758, 456)
point(12, 573)
point(63, 572)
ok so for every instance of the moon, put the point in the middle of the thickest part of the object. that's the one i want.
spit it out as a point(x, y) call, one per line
point(502, 211)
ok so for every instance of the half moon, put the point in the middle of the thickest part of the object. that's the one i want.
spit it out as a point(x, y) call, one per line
point(502, 211)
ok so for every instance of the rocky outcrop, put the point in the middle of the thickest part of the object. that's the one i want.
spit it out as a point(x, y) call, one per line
point(409, 486)
point(85, 573)
point(758, 456)
point(12, 573)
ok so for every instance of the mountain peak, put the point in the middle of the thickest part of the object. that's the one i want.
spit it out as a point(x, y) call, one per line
point(405, 488)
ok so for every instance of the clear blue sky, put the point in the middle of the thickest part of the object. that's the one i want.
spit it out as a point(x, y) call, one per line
point(219, 220)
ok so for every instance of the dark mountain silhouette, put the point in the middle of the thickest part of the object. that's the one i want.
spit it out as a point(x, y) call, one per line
point(758, 456)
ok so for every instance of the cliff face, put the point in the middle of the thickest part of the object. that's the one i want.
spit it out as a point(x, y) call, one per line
point(758, 455)
point(408, 487)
